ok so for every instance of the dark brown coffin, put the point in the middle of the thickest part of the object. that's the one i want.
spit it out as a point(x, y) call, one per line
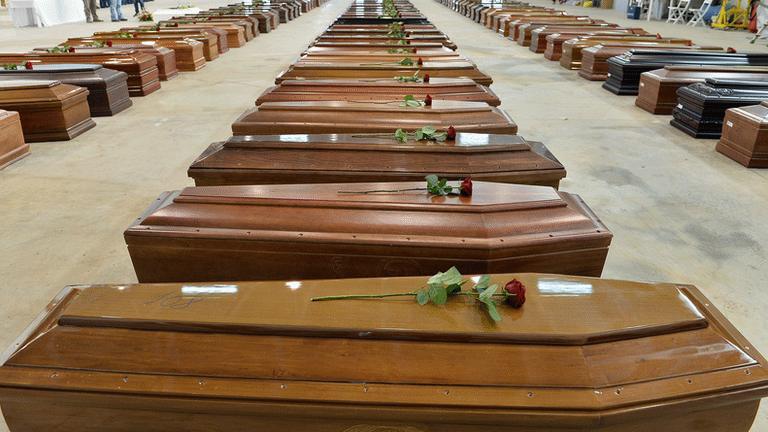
point(143, 75)
point(582, 355)
point(107, 88)
point(275, 118)
point(572, 48)
point(49, 110)
point(330, 70)
point(745, 135)
point(290, 232)
point(658, 88)
point(12, 145)
point(378, 90)
point(337, 158)
point(166, 57)
point(594, 59)
point(188, 52)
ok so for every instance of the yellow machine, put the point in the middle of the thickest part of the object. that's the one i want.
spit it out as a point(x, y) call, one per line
point(735, 17)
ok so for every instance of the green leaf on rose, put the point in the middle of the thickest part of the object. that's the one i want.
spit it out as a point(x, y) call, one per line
point(401, 135)
point(438, 294)
point(406, 62)
point(422, 297)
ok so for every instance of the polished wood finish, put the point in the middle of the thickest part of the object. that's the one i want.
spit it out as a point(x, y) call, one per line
point(540, 36)
point(260, 356)
point(378, 90)
point(166, 58)
point(745, 135)
point(235, 35)
point(516, 24)
point(49, 110)
point(350, 70)
point(424, 53)
point(337, 158)
point(274, 118)
point(218, 233)
point(12, 145)
point(658, 88)
point(188, 52)
point(386, 39)
point(143, 75)
point(107, 88)
point(208, 37)
point(594, 59)
point(572, 49)
point(525, 31)
point(555, 41)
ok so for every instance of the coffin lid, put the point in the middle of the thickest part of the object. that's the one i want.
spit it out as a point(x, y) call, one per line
point(427, 65)
point(300, 83)
point(667, 344)
point(28, 84)
point(438, 106)
point(736, 83)
point(57, 67)
point(716, 68)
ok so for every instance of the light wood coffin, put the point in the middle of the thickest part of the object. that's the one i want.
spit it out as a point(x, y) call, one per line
point(275, 118)
point(107, 88)
point(337, 158)
point(555, 41)
point(378, 90)
point(49, 110)
point(166, 57)
point(658, 88)
point(188, 52)
point(572, 48)
point(330, 70)
point(582, 354)
point(745, 135)
point(12, 145)
point(143, 75)
point(219, 233)
point(594, 59)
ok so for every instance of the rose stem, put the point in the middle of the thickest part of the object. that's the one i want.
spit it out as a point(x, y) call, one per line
point(381, 191)
point(361, 296)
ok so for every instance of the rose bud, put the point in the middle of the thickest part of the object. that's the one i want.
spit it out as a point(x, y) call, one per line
point(420, 62)
point(731, 50)
point(426, 78)
point(109, 44)
point(466, 186)
point(407, 41)
point(71, 49)
point(428, 100)
point(516, 291)
point(658, 35)
point(28, 65)
point(451, 134)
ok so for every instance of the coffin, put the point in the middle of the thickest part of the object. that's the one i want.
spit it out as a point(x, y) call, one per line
point(207, 37)
point(379, 31)
point(658, 88)
point(745, 135)
point(554, 42)
point(218, 233)
point(540, 41)
point(166, 58)
point(49, 110)
point(514, 25)
point(701, 106)
point(386, 39)
point(143, 75)
point(525, 31)
point(282, 159)
point(274, 118)
point(188, 52)
point(107, 89)
point(594, 60)
point(426, 54)
point(378, 45)
point(506, 23)
point(348, 70)
point(383, 57)
point(12, 145)
point(378, 90)
point(259, 20)
point(625, 70)
point(572, 48)
point(235, 35)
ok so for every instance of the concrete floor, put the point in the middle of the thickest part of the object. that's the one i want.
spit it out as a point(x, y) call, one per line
point(679, 211)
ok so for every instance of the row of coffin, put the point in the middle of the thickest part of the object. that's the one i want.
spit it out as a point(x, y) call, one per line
point(710, 92)
point(588, 354)
point(53, 92)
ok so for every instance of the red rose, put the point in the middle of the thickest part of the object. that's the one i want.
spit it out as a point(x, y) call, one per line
point(420, 61)
point(428, 100)
point(109, 44)
point(28, 65)
point(466, 186)
point(451, 134)
point(731, 50)
point(71, 49)
point(516, 291)
point(426, 78)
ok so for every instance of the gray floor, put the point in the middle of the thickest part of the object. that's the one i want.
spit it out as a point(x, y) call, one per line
point(679, 211)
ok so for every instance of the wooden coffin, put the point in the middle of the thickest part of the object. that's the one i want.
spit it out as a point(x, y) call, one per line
point(494, 16)
point(555, 41)
point(49, 110)
point(572, 48)
point(658, 88)
point(377, 45)
point(539, 35)
point(290, 232)
point(701, 106)
point(208, 37)
point(188, 53)
point(236, 36)
point(745, 135)
point(107, 88)
point(594, 59)
point(12, 145)
point(143, 75)
point(625, 70)
point(274, 118)
point(379, 31)
point(268, 20)
point(336, 158)
point(582, 354)
point(378, 90)
point(386, 39)
point(398, 53)
point(254, 19)
point(347, 70)
point(515, 25)
point(239, 30)
point(525, 31)
point(166, 58)
point(385, 57)
point(506, 22)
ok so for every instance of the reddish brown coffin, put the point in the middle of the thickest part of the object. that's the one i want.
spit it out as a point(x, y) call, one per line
point(745, 135)
point(166, 57)
point(386, 39)
point(382, 57)
point(525, 32)
point(594, 60)
point(572, 48)
point(515, 25)
point(337, 158)
point(220, 233)
point(12, 145)
point(208, 37)
point(538, 42)
point(658, 88)
point(555, 41)
point(143, 75)
point(49, 110)
point(318, 70)
point(425, 53)
point(274, 118)
point(378, 90)
point(235, 35)
point(188, 52)
point(378, 45)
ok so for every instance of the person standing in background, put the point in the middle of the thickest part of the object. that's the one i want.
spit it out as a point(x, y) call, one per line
point(116, 10)
point(136, 6)
point(90, 11)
